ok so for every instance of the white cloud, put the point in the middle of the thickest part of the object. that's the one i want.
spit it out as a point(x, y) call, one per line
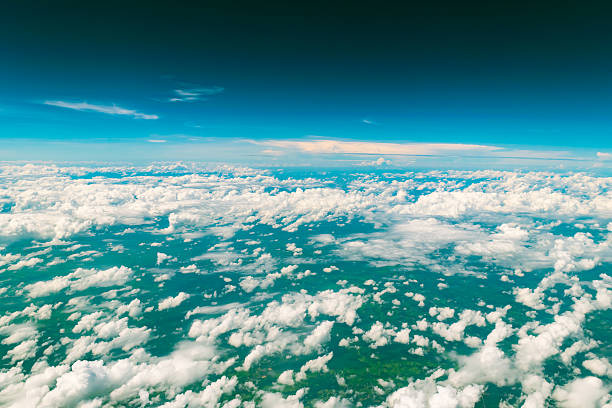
point(85, 378)
point(519, 224)
point(209, 397)
point(314, 366)
point(161, 258)
point(428, 394)
point(17, 333)
point(488, 365)
point(319, 336)
point(455, 331)
point(286, 378)
point(403, 336)
point(377, 335)
point(8, 258)
point(119, 381)
point(334, 402)
point(276, 319)
point(108, 109)
point(441, 313)
point(598, 366)
point(537, 389)
point(25, 263)
point(81, 279)
point(171, 302)
point(588, 392)
point(276, 400)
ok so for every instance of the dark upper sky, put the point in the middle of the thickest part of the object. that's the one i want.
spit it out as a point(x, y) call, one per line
point(461, 72)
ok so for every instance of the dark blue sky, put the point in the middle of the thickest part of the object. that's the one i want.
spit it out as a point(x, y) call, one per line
point(536, 75)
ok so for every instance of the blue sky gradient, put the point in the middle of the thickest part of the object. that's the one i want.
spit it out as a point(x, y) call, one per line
point(513, 76)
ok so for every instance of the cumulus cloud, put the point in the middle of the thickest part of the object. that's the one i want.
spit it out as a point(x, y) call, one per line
point(276, 400)
point(81, 279)
point(25, 263)
point(373, 249)
point(314, 366)
point(319, 336)
point(121, 380)
point(587, 392)
point(599, 366)
point(277, 317)
point(171, 302)
point(428, 394)
point(209, 397)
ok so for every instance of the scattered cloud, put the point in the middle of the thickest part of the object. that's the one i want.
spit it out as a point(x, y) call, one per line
point(493, 230)
point(195, 94)
point(157, 141)
point(108, 109)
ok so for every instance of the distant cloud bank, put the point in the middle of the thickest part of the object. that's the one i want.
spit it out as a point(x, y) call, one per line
point(357, 147)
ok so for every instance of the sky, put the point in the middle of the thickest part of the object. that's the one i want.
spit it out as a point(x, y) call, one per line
point(168, 79)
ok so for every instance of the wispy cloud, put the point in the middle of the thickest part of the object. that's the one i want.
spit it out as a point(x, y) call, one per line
point(157, 141)
point(195, 94)
point(108, 109)
point(368, 122)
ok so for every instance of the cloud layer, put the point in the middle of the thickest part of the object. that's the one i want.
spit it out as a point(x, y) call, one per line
point(182, 285)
